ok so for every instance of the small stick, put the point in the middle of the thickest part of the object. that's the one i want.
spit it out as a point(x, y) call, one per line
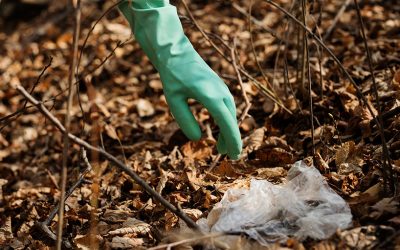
point(321, 43)
point(306, 61)
point(256, 21)
point(336, 19)
point(81, 178)
point(259, 85)
point(239, 77)
point(19, 112)
point(250, 18)
point(174, 244)
point(388, 172)
point(109, 157)
point(77, 7)
point(44, 226)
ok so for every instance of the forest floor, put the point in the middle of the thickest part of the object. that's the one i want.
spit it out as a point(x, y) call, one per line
point(123, 110)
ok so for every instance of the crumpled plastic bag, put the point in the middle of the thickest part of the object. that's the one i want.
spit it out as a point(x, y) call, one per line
point(305, 206)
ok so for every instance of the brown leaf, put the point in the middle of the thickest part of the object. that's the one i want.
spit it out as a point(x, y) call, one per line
point(385, 206)
point(144, 108)
point(110, 130)
point(274, 156)
point(126, 242)
point(132, 226)
point(171, 220)
point(225, 169)
point(372, 194)
point(254, 140)
point(271, 174)
point(163, 180)
point(194, 214)
point(199, 150)
point(360, 237)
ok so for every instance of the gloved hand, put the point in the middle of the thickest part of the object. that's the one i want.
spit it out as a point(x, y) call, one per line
point(183, 72)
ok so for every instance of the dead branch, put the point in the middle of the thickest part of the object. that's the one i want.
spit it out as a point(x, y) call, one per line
point(185, 241)
point(387, 172)
point(256, 21)
point(250, 19)
point(336, 19)
point(21, 111)
point(109, 157)
point(239, 77)
point(306, 61)
point(267, 92)
point(360, 95)
point(77, 7)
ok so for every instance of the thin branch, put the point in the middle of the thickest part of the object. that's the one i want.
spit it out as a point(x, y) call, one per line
point(307, 58)
point(185, 241)
point(239, 77)
point(109, 157)
point(267, 92)
point(256, 21)
point(336, 19)
point(389, 175)
point(22, 110)
point(250, 18)
point(79, 181)
point(321, 43)
point(79, 78)
point(77, 27)
point(44, 226)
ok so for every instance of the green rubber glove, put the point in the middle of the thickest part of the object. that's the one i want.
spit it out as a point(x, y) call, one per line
point(183, 72)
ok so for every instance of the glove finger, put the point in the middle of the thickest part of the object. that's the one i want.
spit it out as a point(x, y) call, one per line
point(230, 104)
point(221, 145)
point(229, 128)
point(184, 117)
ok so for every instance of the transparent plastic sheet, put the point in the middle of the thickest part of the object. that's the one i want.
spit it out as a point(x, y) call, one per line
point(305, 206)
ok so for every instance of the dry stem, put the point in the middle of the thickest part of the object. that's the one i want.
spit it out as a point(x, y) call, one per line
point(388, 172)
point(77, 7)
point(109, 157)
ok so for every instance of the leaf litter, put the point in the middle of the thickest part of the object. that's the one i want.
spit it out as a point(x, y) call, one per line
point(124, 98)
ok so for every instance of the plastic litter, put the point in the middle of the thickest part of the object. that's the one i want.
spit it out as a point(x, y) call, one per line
point(305, 206)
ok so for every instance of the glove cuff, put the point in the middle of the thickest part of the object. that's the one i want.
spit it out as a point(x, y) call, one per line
point(149, 4)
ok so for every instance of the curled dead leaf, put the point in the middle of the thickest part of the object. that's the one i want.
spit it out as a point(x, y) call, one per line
point(144, 108)
point(126, 242)
point(132, 226)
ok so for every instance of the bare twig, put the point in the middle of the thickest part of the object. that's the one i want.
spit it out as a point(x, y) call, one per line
point(388, 172)
point(17, 114)
point(336, 19)
point(267, 92)
point(255, 21)
point(250, 18)
point(44, 226)
point(304, 51)
point(79, 77)
point(239, 77)
point(109, 157)
point(185, 241)
point(91, 30)
point(306, 61)
point(78, 182)
point(332, 55)
point(77, 7)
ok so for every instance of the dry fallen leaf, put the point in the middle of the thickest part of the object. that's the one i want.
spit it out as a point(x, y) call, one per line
point(385, 206)
point(126, 242)
point(131, 226)
point(144, 108)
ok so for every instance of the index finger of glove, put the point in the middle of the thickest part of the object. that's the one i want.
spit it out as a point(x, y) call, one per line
point(184, 117)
